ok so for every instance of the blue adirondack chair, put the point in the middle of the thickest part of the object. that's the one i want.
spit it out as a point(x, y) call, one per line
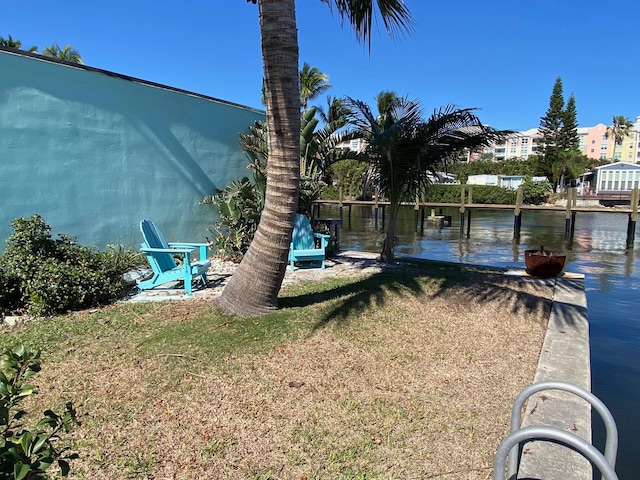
point(303, 247)
point(160, 257)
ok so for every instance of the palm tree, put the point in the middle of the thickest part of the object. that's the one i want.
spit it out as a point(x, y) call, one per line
point(254, 287)
point(312, 83)
point(319, 149)
point(10, 42)
point(17, 44)
point(68, 53)
point(620, 129)
point(403, 148)
point(569, 163)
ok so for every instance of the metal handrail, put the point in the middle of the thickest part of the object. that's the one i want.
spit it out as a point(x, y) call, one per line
point(611, 442)
point(569, 439)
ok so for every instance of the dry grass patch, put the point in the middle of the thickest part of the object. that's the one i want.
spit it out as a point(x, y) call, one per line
point(407, 375)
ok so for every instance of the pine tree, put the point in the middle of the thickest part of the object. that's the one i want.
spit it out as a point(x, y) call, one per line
point(559, 147)
point(569, 139)
point(550, 129)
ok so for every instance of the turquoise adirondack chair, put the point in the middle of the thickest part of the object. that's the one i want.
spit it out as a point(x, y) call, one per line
point(160, 257)
point(303, 247)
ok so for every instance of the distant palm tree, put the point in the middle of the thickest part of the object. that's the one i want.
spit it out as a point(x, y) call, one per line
point(403, 148)
point(312, 83)
point(11, 43)
point(68, 53)
point(620, 129)
point(319, 149)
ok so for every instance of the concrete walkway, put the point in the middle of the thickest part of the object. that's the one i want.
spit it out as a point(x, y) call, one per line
point(565, 357)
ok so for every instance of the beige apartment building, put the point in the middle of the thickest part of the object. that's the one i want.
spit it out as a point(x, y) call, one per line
point(593, 143)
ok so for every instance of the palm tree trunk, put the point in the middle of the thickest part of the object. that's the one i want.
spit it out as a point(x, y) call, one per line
point(390, 241)
point(254, 287)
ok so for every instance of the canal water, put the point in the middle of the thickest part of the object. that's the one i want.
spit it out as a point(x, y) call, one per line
point(612, 283)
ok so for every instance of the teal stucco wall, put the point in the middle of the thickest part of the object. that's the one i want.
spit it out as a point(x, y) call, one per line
point(94, 152)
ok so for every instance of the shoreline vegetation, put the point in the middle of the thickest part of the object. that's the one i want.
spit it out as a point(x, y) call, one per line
point(405, 373)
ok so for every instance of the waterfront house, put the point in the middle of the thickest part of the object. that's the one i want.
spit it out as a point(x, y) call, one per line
point(511, 182)
point(618, 177)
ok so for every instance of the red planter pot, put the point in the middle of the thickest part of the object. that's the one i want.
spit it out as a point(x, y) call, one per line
point(543, 263)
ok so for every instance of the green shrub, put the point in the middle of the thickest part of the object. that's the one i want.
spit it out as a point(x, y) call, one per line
point(330, 193)
point(240, 205)
point(28, 453)
point(483, 194)
point(43, 276)
point(535, 193)
point(350, 176)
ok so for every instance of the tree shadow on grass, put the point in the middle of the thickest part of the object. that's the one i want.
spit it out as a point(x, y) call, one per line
point(356, 296)
point(427, 279)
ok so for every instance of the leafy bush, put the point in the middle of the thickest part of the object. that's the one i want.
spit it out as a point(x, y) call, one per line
point(43, 276)
point(28, 453)
point(483, 194)
point(240, 205)
point(350, 176)
point(535, 193)
point(512, 166)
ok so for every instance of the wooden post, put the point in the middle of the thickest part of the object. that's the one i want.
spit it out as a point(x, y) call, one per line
point(633, 218)
point(567, 217)
point(470, 199)
point(350, 205)
point(416, 207)
point(422, 219)
point(375, 210)
point(574, 203)
point(468, 223)
point(462, 211)
point(517, 221)
point(340, 198)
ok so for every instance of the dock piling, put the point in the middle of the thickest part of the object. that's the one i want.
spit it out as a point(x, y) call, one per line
point(462, 211)
point(633, 218)
point(517, 221)
point(375, 210)
point(569, 216)
point(416, 209)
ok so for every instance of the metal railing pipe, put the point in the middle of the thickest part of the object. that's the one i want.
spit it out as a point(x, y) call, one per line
point(568, 439)
point(611, 442)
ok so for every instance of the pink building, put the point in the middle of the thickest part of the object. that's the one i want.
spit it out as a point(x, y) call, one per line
point(594, 143)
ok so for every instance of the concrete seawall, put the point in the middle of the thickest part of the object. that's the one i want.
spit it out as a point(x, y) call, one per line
point(565, 356)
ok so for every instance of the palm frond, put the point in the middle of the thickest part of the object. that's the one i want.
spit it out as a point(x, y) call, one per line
point(360, 15)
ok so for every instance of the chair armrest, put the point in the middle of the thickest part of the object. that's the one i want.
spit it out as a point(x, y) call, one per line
point(201, 246)
point(187, 244)
point(324, 239)
point(181, 251)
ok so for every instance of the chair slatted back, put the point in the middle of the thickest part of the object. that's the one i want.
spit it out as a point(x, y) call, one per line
point(302, 234)
point(154, 239)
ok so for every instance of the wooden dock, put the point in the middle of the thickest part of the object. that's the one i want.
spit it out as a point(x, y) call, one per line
point(466, 206)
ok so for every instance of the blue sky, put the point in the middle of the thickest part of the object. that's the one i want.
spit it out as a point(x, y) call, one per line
point(500, 56)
